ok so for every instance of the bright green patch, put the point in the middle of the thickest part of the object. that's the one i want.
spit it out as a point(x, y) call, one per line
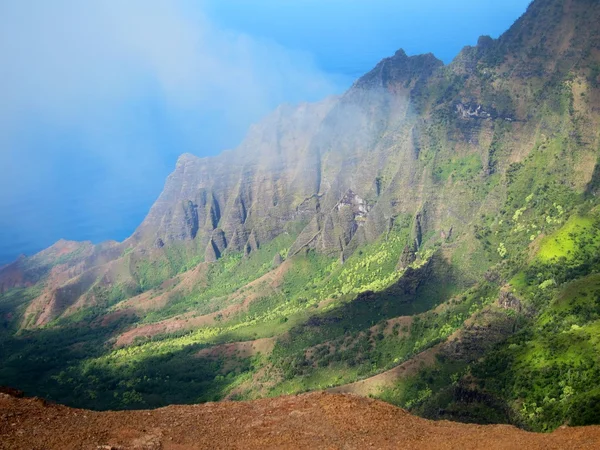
point(459, 168)
point(563, 243)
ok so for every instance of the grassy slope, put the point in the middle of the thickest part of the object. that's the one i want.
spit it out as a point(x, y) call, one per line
point(547, 373)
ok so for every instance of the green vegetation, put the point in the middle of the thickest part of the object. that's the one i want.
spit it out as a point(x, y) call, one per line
point(313, 288)
point(546, 373)
point(224, 277)
point(569, 240)
point(549, 372)
point(459, 168)
point(354, 343)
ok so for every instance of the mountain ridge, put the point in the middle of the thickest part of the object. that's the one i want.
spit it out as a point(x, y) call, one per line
point(426, 196)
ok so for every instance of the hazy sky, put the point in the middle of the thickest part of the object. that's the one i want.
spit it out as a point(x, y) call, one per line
point(100, 97)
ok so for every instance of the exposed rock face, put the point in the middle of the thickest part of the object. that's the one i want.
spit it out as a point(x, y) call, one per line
point(245, 196)
point(407, 258)
point(190, 211)
point(315, 164)
point(471, 111)
point(319, 163)
point(433, 159)
point(211, 253)
point(251, 245)
point(277, 260)
point(508, 300)
point(356, 205)
point(400, 70)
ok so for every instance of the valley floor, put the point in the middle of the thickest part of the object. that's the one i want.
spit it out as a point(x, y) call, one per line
point(316, 420)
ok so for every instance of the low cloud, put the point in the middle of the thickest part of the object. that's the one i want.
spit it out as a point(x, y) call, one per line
point(117, 89)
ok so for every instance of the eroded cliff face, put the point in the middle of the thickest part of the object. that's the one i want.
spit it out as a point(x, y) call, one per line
point(301, 165)
point(383, 141)
point(242, 197)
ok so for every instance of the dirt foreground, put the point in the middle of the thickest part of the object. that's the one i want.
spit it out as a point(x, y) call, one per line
point(311, 421)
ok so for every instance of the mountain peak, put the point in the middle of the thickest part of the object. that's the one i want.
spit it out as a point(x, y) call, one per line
point(399, 69)
point(187, 157)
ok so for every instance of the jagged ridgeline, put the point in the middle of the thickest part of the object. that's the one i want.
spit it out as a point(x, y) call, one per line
point(431, 237)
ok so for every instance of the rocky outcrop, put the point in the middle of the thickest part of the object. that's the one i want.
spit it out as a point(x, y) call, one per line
point(407, 258)
point(401, 71)
point(251, 244)
point(241, 197)
point(212, 253)
point(475, 111)
point(507, 300)
point(277, 261)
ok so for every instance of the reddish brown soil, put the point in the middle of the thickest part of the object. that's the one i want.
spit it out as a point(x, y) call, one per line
point(11, 276)
point(167, 326)
point(111, 317)
point(310, 421)
point(373, 385)
point(238, 301)
point(155, 299)
point(64, 247)
point(243, 349)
